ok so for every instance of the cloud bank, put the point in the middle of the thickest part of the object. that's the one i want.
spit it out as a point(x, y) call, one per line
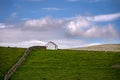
point(43, 24)
point(82, 27)
point(24, 44)
point(103, 18)
point(67, 32)
point(2, 25)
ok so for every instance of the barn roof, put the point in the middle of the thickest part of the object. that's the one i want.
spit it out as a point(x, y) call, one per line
point(52, 43)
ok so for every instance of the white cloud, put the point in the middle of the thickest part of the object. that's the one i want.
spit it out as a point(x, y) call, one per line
point(107, 31)
point(78, 23)
point(9, 34)
point(82, 27)
point(51, 9)
point(106, 17)
point(2, 25)
point(24, 44)
point(68, 43)
point(43, 24)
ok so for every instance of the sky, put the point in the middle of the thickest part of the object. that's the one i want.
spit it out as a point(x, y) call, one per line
point(68, 23)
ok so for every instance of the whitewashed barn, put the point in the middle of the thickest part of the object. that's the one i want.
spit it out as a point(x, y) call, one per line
point(51, 45)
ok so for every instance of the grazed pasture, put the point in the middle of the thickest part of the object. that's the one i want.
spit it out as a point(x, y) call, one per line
point(8, 57)
point(69, 65)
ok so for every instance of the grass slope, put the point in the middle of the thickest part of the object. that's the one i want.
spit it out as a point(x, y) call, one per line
point(102, 47)
point(8, 57)
point(68, 65)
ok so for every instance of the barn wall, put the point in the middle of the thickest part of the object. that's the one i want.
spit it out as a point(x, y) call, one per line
point(51, 46)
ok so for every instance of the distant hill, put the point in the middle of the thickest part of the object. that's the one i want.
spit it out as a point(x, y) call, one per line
point(102, 47)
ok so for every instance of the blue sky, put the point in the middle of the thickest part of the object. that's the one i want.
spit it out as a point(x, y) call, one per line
point(68, 23)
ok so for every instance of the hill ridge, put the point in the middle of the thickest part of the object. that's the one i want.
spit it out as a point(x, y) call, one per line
point(101, 47)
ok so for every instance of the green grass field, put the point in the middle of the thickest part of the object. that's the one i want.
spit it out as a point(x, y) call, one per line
point(8, 57)
point(69, 65)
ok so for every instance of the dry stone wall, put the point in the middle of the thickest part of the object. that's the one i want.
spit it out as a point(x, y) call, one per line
point(14, 67)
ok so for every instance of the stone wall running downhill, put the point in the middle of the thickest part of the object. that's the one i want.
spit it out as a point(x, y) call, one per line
point(14, 67)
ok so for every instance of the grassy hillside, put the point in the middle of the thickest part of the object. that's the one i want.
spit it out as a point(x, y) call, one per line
point(103, 47)
point(69, 65)
point(8, 57)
